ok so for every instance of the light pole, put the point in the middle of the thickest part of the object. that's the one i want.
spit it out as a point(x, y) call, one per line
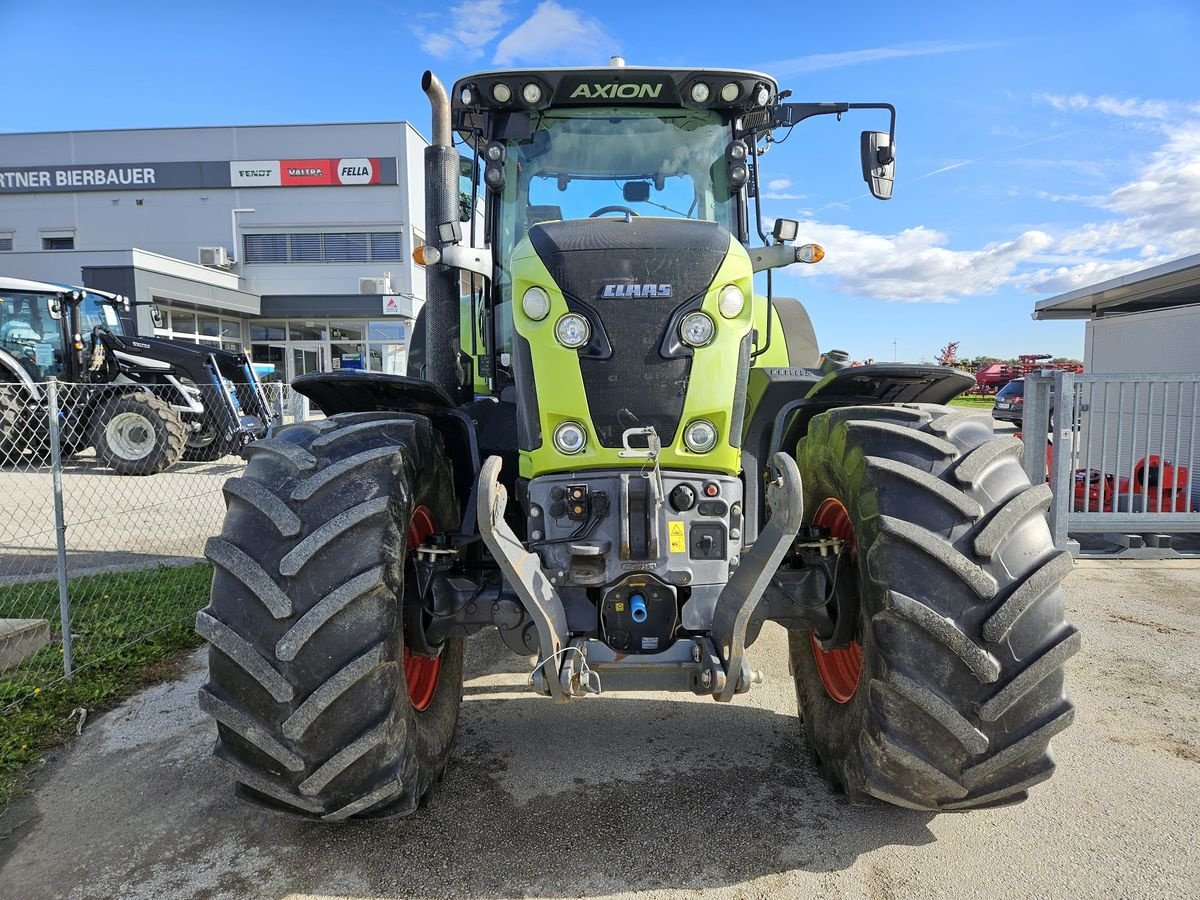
point(233, 232)
point(893, 349)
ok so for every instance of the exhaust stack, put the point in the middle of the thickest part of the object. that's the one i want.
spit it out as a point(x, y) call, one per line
point(441, 281)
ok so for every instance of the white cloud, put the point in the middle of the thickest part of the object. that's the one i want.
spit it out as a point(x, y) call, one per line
point(556, 34)
point(1151, 218)
point(777, 189)
point(817, 62)
point(476, 23)
point(1125, 108)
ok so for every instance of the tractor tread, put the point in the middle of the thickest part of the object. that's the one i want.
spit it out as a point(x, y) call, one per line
point(242, 652)
point(983, 665)
point(342, 468)
point(274, 510)
point(963, 633)
point(956, 499)
point(900, 433)
point(362, 804)
point(299, 556)
point(1033, 499)
point(344, 758)
point(296, 458)
point(254, 780)
point(248, 728)
point(327, 607)
point(1031, 744)
point(938, 709)
point(312, 707)
point(1031, 676)
point(1043, 579)
point(935, 548)
point(974, 466)
point(323, 697)
point(337, 435)
point(243, 568)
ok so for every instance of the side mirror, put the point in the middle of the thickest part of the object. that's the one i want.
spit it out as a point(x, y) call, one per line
point(878, 163)
point(156, 315)
point(636, 191)
point(55, 308)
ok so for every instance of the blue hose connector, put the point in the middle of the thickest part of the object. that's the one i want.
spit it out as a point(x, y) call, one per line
point(637, 608)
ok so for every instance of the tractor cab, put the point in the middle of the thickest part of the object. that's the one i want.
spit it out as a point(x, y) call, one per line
point(35, 325)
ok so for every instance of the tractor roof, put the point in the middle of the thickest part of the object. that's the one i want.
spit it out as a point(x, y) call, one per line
point(530, 90)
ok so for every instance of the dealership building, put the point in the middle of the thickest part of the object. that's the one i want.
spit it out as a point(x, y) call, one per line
point(294, 242)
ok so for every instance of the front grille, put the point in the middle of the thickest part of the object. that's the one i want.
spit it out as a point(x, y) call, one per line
point(636, 385)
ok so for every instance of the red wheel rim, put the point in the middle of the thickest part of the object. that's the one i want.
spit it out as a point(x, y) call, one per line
point(840, 670)
point(420, 672)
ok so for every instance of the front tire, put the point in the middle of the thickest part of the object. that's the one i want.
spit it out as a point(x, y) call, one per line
point(137, 434)
point(952, 685)
point(322, 708)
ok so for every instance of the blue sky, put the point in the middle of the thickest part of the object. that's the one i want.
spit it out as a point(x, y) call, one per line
point(1041, 146)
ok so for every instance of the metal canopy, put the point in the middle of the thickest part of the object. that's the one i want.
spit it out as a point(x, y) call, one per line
point(1175, 283)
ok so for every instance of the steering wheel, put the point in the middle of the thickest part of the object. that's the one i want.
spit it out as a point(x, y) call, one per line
point(614, 209)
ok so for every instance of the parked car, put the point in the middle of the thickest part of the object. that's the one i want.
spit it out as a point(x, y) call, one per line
point(1010, 402)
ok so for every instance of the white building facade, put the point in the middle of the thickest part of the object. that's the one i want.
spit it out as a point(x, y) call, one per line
point(294, 242)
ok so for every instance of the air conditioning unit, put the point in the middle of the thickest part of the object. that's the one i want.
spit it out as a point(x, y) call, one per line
point(375, 285)
point(215, 257)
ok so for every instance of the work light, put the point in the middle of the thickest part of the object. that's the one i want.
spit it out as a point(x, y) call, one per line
point(700, 436)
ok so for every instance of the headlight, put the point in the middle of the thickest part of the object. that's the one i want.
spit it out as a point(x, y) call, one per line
point(700, 436)
point(536, 303)
point(700, 92)
point(569, 437)
point(573, 331)
point(729, 93)
point(731, 301)
point(531, 93)
point(466, 97)
point(697, 329)
point(502, 92)
point(762, 95)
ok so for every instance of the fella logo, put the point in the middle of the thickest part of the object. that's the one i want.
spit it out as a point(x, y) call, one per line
point(619, 291)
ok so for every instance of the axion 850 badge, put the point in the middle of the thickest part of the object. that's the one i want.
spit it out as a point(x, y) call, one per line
point(357, 171)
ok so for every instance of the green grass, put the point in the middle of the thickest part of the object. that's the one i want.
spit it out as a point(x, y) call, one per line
point(976, 402)
point(125, 626)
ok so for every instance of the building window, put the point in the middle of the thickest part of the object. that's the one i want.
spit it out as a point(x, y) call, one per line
point(6, 240)
point(332, 247)
point(57, 243)
point(195, 327)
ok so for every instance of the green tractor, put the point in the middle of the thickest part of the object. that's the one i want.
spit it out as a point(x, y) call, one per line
point(615, 452)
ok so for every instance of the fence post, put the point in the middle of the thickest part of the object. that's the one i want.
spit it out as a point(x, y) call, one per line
point(1033, 416)
point(60, 525)
point(1062, 472)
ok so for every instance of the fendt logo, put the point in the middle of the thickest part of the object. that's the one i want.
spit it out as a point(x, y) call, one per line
point(617, 91)
point(613, 291)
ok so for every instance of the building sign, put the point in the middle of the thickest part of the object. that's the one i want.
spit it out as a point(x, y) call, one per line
point(391, 306)
point(308, 172)
point(175, 176)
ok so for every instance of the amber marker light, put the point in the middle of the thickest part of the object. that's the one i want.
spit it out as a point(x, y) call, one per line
point(810, 253)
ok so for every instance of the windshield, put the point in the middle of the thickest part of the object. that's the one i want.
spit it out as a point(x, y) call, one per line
point(579, 161)
point(95, 311)
point(29, 334)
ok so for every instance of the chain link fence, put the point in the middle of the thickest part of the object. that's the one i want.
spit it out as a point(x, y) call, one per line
point(109, 494)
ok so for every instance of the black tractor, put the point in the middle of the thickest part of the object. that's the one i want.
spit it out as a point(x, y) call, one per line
point(142, 403)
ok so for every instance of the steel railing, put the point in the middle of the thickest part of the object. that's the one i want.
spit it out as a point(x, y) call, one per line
point(1121, 457)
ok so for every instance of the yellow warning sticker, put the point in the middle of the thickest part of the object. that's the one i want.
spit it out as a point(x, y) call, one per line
point(675, 529)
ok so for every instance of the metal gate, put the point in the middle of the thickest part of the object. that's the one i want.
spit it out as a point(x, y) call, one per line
point(1121, 457)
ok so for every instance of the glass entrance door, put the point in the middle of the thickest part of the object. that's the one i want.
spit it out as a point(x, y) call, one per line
point(307, 356)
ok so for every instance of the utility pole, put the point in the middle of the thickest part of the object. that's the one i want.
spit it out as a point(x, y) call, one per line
point(893, 350)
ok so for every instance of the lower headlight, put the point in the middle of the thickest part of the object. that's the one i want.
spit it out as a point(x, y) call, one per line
point(700, 436)
point(573, 331)
point(731, 301)
point(697, 329)
point(569, 437)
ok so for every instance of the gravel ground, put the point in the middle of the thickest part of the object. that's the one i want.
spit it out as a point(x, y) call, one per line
point(661, 795)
